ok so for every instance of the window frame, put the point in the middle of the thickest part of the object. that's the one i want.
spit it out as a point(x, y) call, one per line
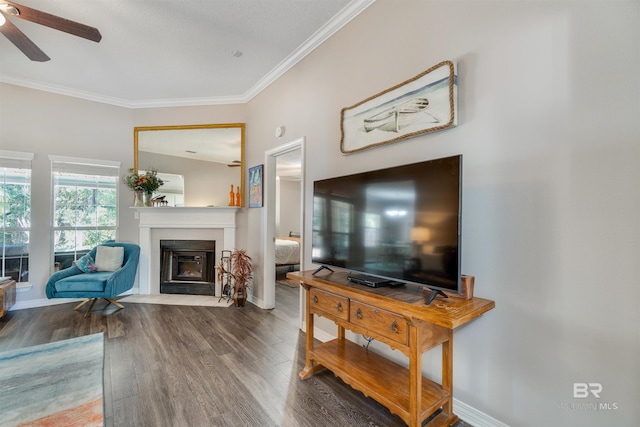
point(81, 166)
point(17, 160)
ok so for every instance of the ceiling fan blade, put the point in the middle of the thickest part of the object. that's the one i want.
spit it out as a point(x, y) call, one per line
point(57, 23)
point(23, 42)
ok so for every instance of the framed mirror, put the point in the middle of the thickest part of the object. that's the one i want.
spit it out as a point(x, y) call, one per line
point(199, 163)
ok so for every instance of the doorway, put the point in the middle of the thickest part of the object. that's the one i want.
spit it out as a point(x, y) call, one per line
point(284, 167)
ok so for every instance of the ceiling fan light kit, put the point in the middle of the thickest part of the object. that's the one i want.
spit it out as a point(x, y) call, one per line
point(8, 9)
point(22, 42)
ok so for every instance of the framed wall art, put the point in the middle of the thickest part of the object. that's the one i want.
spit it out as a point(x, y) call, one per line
point(255, 186)
point(425, 103)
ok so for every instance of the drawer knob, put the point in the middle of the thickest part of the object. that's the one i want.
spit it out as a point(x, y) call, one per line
point(358, 314)
point(315, 299)
point(394, 327)
point(339, 307)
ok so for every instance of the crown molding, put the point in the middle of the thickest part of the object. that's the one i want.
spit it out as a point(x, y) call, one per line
point(62, 90)
point(341, 19)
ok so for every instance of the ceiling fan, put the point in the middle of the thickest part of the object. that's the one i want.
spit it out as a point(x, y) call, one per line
point(22, 42)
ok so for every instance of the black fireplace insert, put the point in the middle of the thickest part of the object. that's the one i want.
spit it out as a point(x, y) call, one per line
point(187, 267)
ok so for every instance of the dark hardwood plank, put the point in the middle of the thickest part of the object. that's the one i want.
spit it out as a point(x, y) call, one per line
point(203, 366)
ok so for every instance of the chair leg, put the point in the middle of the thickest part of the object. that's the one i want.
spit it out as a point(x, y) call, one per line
point(81, 304)
point(114, 302)
point(93, 301)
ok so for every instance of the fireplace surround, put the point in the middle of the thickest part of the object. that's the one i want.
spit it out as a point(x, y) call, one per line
point(179, 223)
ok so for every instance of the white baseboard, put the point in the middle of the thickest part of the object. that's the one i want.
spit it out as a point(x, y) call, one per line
point(42, 302)
point(255, 301)
point(473, 416)
point(321, 335)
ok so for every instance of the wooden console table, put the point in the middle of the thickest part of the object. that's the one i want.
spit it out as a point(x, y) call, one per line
point(399, 318)
point(7, 296)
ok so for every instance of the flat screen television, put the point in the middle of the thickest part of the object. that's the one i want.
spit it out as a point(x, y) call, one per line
point(392, 226)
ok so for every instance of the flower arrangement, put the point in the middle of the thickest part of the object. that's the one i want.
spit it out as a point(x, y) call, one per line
point(147, 182)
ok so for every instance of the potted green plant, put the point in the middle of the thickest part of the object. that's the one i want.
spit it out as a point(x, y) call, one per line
point(236, 270)
point(143, 185)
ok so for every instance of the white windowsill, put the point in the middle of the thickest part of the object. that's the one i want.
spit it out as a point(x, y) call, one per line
point(23, 287)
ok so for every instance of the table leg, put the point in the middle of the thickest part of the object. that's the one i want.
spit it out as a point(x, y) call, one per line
point(309, 368)
point(415, 376)
point(447, 372)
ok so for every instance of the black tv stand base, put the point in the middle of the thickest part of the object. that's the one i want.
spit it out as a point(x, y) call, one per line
point(319, 269)
point(434, 293)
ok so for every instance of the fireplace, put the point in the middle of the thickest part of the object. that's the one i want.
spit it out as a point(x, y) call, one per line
point(187, 267)
point(184, 223)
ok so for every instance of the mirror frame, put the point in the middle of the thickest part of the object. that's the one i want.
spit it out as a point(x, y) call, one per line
point(241, 126)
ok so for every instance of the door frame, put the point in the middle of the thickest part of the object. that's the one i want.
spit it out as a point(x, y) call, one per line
point(269, 217)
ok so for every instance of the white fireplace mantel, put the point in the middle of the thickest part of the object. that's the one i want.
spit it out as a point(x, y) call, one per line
point(176, 219)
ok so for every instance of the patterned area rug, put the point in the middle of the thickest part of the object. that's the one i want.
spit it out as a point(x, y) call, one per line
point(281, 277)
point(54, 385)
point(288, 282)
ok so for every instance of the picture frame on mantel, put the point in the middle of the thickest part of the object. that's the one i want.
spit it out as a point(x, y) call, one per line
point(424, 103)
point(256, 190)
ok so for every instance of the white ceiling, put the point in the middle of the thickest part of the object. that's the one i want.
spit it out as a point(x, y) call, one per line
point(289, 166)
point(168, 52)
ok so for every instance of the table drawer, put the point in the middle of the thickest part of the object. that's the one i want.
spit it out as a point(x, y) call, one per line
point(329, 303)
point(380, 322)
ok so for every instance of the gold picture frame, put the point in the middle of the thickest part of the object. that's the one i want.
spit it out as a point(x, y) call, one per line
point(424, 103)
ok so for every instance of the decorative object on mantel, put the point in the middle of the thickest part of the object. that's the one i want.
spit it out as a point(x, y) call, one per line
point(160, 201)
point(234, 272)
point(143, 185)
point(255, 186)
point(232, 197)
point(425, 103)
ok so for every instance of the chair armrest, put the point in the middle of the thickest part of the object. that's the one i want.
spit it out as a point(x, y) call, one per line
point(122, 279)
point(58, 275)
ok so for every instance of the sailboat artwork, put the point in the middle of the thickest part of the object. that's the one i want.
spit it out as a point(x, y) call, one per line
point(399, 116)
point(425, 103)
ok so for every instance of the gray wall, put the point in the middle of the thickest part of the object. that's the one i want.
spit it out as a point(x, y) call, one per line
point(548, 127)
point(288, 207)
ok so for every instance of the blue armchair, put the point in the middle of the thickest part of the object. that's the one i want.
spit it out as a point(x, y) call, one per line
point(72, 282)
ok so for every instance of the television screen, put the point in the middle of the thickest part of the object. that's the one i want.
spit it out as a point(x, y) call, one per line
point(396, 224)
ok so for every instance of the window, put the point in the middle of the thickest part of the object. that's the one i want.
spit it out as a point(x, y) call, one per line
point(371, 230)
point(15, 209)
point(340, 215)
point(85, 207)
point(342, 227)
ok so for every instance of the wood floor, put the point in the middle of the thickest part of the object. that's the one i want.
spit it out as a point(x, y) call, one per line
point(203, 366)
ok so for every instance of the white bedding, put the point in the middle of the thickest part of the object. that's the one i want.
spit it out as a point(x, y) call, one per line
point(287, 251)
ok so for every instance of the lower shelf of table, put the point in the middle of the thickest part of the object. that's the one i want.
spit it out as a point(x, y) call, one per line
point(379, 378)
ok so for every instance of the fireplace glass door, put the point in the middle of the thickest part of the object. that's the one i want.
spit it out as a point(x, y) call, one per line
point(187, 267)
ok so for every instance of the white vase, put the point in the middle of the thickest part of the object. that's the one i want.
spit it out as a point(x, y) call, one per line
point(147, 199)
point(138, 199)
